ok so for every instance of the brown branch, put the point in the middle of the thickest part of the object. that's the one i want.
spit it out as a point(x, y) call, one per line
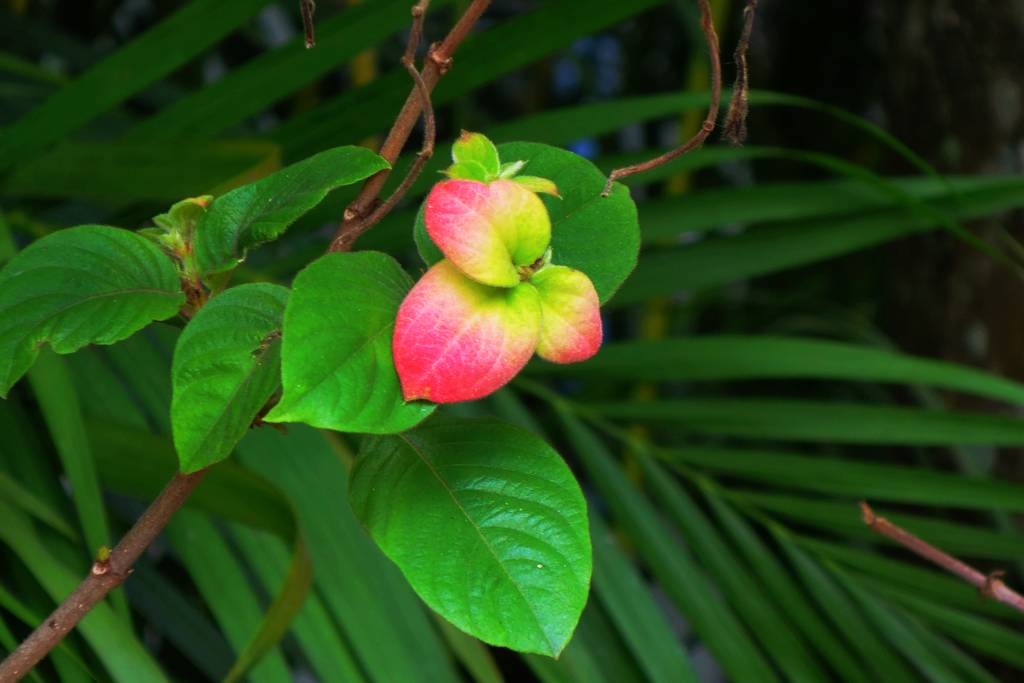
point(735, 128)
point(708, 27)
point(308, 8)
point(106, 575)
point(437, 64)
point(345, 241)
point(990, 585)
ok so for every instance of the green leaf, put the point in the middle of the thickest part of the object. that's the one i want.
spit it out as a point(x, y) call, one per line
point(768, 621)
point(597, 235)
point(263, 210)
point(822, 422)
point(475, 148)
point(853, 478)
point(735, 357)
point(86, 285)
point(108, 634)
point(294, 588)
point(630, 605)
point(368, 598)
point(675, 568)
point(488, 525)
point(250, 88)
point(224, 586)
point(226, 367)
point(154, 54)
point(118, 173)
point(337, 368)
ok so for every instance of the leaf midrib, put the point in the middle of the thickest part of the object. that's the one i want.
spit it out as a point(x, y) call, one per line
point(437, 475)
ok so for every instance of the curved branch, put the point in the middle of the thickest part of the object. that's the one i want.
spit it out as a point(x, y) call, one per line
point(708, 27)
point(106, 575)
point(437, 64)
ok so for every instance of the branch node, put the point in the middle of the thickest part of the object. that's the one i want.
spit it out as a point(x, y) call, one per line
point(443, 63)
point(993, 583)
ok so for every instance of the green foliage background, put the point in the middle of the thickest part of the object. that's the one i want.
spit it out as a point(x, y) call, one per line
point(749, 393)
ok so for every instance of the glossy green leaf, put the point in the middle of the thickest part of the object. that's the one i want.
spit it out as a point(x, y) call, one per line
point(337, 368)
point(488, 525)
point(263, 210)
point(735, 357)
point(827, 422)
point(226, 367)
point(85, 285)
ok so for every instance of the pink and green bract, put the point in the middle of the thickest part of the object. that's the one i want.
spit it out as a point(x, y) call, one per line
point(476, 318)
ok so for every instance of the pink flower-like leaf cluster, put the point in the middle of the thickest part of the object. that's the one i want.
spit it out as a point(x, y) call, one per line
point(477, 317)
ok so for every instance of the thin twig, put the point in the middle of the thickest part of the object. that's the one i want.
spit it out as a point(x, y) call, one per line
point(735, 128)
point(345, 241)
point(308, 8)
point(989, 585)
point(439, 60)
point(106, 575)
point(708, 27)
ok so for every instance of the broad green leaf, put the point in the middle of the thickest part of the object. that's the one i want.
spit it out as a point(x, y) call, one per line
point(486, 522)
point(226, 367)
point(368, 598)
point(337, 367)
point(597, 235)
point(86, 285)
point(824, 422)
point(263, 210)
point(735, 357)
